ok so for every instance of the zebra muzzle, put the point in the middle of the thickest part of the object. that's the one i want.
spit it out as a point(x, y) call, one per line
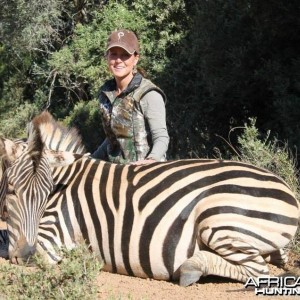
point(22, 252)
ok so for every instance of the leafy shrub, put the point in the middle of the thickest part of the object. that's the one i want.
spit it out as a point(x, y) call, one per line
point(86, 118)
point(15, 122)
point(269, 154)
point(73, 278)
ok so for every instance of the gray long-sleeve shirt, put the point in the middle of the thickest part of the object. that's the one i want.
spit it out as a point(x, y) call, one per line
point(154, 110)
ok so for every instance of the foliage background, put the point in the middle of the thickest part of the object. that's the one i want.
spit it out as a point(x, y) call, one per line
point(219, 62)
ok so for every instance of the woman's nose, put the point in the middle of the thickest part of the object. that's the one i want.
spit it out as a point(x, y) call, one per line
point(118, 59)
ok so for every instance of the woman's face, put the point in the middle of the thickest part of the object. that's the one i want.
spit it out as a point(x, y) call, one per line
point(120, 62)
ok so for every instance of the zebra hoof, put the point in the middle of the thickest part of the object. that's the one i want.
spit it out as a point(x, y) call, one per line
point(188, 278)
point(191, 270)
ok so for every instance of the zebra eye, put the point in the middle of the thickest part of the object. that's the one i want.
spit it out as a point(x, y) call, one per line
point(5, 216)
point(10, 189)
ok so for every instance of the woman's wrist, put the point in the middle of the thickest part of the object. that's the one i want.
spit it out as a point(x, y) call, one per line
point(150, 158)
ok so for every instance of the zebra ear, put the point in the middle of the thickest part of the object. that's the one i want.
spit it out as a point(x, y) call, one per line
point(9, 150)
point(59, 158)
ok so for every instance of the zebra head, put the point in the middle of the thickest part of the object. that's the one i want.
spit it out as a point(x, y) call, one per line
point(9, 152)
point(24, 189)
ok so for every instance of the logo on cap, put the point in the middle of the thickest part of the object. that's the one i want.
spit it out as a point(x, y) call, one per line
point(120, 34)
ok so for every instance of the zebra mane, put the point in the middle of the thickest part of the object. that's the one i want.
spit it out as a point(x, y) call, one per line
point(35, 144)
point(55, 136)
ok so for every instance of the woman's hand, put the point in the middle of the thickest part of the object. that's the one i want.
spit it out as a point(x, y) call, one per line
point(146, 161)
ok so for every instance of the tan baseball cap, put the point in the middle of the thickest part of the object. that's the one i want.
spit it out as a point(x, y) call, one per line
point(125, 39)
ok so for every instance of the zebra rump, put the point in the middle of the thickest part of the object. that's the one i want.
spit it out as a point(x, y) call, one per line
point(175, 220)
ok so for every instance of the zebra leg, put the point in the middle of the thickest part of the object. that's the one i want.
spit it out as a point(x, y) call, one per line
point(278, 258)
point(240, 264)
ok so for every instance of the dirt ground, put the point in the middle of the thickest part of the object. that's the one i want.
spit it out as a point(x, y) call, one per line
point(120, 287)
point(114, 286)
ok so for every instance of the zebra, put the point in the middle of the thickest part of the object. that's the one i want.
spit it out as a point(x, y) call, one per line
point(177, 220)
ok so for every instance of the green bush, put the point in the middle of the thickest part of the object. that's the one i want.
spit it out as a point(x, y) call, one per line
point(269, 154)
point(14, 124)
point(73, 278)
point(86, 118)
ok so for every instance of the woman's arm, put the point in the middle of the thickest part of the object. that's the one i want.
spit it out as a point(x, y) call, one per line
point(154, 110)
point(101, 152)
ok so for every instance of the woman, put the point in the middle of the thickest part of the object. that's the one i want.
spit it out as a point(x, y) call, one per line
point(132, 107)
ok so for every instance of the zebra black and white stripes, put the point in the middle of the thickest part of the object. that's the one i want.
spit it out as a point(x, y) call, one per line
point(174, 220)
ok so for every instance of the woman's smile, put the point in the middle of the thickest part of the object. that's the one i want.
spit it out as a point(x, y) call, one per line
point(121, 63)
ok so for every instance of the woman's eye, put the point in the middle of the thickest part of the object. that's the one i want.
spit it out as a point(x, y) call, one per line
point(125, 56)
point(122, 56)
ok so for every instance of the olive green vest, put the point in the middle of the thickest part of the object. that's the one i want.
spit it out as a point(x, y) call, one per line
point(123, 120)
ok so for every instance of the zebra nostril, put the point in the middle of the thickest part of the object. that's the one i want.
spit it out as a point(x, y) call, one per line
point(23, 251)
point(22, 257)
point(27, 251)
point(14, 260)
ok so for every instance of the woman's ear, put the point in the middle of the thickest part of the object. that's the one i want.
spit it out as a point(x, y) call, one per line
point(137, 57)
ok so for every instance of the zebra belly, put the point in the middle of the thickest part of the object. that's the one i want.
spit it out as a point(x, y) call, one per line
point(159, 259)
point(152, 265)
